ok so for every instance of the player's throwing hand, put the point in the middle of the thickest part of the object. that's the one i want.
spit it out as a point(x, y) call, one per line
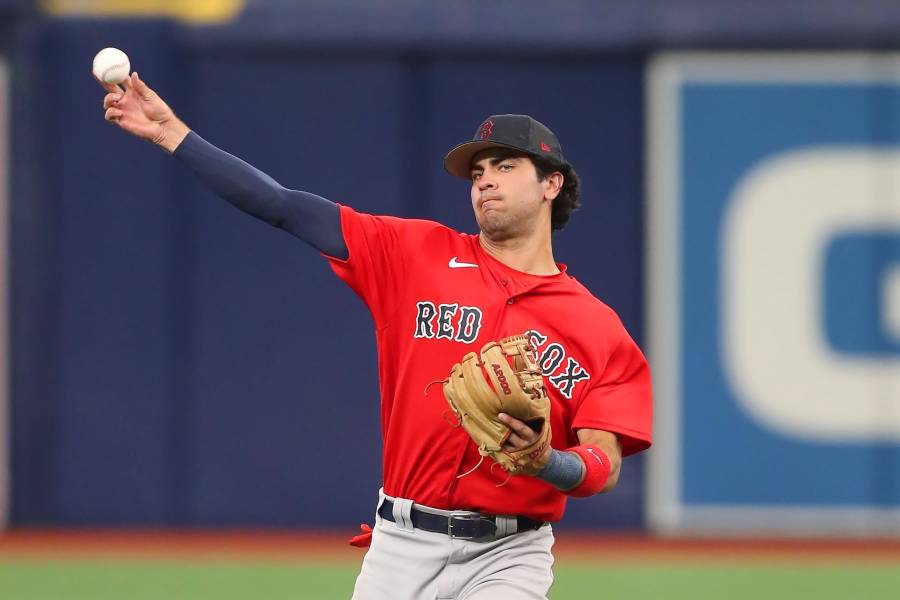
point(141, 112)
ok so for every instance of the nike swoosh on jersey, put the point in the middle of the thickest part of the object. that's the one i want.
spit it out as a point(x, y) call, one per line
point(455, 264)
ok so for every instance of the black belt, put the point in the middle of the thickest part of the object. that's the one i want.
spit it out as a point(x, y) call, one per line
point(474, 526)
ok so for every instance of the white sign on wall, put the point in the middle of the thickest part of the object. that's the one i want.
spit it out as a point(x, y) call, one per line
point(774, 293)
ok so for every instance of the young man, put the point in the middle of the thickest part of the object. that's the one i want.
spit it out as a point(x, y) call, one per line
point(447, 526)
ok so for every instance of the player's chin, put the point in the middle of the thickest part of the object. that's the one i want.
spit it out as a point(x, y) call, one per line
point(491, 217)
point(494, 229)
point(487, 222)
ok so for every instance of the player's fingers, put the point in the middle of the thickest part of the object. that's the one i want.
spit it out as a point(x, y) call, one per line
point(518, 427)
point(111, 99)
point(113, 114)
point(142, 88)
point(112, 88)
point(514, 442)
point(127, 83)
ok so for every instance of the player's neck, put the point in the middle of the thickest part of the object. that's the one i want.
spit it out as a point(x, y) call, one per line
point(533, 255)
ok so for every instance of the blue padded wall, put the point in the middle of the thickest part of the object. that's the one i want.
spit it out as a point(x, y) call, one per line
point(198, 367)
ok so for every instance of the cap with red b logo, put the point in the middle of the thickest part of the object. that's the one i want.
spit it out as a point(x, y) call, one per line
point(518, 132)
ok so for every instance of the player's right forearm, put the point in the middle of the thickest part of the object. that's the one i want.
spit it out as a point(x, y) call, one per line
point(312, 218)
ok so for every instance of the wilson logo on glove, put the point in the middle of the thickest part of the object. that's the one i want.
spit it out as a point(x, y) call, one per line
point(498, 372)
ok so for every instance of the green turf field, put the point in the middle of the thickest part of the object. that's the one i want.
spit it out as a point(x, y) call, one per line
point(34, 579)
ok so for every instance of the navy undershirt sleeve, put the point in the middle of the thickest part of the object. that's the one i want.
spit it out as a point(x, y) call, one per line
point(311, 218)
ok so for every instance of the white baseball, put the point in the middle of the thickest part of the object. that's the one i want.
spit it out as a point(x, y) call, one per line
point(111, 65)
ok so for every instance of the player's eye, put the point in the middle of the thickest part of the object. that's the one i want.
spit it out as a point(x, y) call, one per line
point(476, 175)
point(505, 167)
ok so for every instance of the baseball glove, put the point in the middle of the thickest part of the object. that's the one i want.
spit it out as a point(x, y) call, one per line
point(503, 377)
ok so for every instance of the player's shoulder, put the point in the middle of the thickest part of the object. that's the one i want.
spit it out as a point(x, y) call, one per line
point(589, 305)
point(425, 226)
point(395, 222)
point(420, 233)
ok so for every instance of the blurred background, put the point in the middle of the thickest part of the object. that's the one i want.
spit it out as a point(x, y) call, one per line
point(171, 364)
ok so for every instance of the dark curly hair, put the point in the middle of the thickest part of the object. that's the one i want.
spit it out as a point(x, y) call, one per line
point(569, 198)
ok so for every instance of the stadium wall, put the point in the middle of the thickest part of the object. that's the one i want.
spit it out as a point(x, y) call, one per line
point(173, 361)
point(190, 356)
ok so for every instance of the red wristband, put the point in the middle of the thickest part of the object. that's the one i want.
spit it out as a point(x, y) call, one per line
point(596, 470)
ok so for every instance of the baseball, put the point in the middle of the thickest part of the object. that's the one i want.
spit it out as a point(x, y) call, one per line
point(111, 65)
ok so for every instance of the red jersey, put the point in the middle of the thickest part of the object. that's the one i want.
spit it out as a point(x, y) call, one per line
point(436, 294)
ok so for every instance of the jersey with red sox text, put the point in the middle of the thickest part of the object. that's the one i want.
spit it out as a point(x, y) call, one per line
point(435, 295)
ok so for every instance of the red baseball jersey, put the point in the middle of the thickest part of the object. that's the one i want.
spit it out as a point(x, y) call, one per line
point(436, 294)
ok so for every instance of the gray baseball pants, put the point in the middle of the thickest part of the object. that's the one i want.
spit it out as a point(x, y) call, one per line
point(404, 563)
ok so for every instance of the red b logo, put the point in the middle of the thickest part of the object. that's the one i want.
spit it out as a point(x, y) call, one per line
point(486, 129)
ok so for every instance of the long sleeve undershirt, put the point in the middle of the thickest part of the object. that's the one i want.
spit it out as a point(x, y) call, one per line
point(313, 219)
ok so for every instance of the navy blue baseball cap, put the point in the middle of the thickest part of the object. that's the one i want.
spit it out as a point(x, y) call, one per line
point(518, 132)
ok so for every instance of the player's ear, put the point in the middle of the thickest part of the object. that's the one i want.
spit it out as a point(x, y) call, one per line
point(553, 185)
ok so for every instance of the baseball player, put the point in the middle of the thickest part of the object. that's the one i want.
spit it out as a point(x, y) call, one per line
point(448, 523)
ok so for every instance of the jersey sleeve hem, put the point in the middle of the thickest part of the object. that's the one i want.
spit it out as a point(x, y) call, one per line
point(344, 225)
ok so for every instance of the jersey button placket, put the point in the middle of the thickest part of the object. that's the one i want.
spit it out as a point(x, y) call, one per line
point(505, 282)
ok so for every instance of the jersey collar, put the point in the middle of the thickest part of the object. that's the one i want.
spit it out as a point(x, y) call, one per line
point(521, 277)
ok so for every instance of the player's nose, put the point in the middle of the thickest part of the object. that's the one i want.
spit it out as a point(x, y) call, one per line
point(486, 182)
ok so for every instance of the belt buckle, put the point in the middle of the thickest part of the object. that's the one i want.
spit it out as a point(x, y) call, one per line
point(468, 516)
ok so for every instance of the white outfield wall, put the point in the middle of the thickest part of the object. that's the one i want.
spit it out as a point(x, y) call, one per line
point(773, 245)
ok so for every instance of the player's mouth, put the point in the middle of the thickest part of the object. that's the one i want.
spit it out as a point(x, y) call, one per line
point(490, 201)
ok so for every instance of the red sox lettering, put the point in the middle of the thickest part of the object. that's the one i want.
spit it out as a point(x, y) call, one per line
point(438, 322)
point(551, 357)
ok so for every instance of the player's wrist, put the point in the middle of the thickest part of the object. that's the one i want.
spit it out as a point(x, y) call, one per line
point(580, 471)
point(172, 132)
point(563, 470)
point(597, 470)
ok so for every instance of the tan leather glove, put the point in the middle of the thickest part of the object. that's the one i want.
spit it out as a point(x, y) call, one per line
point(502, 378)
